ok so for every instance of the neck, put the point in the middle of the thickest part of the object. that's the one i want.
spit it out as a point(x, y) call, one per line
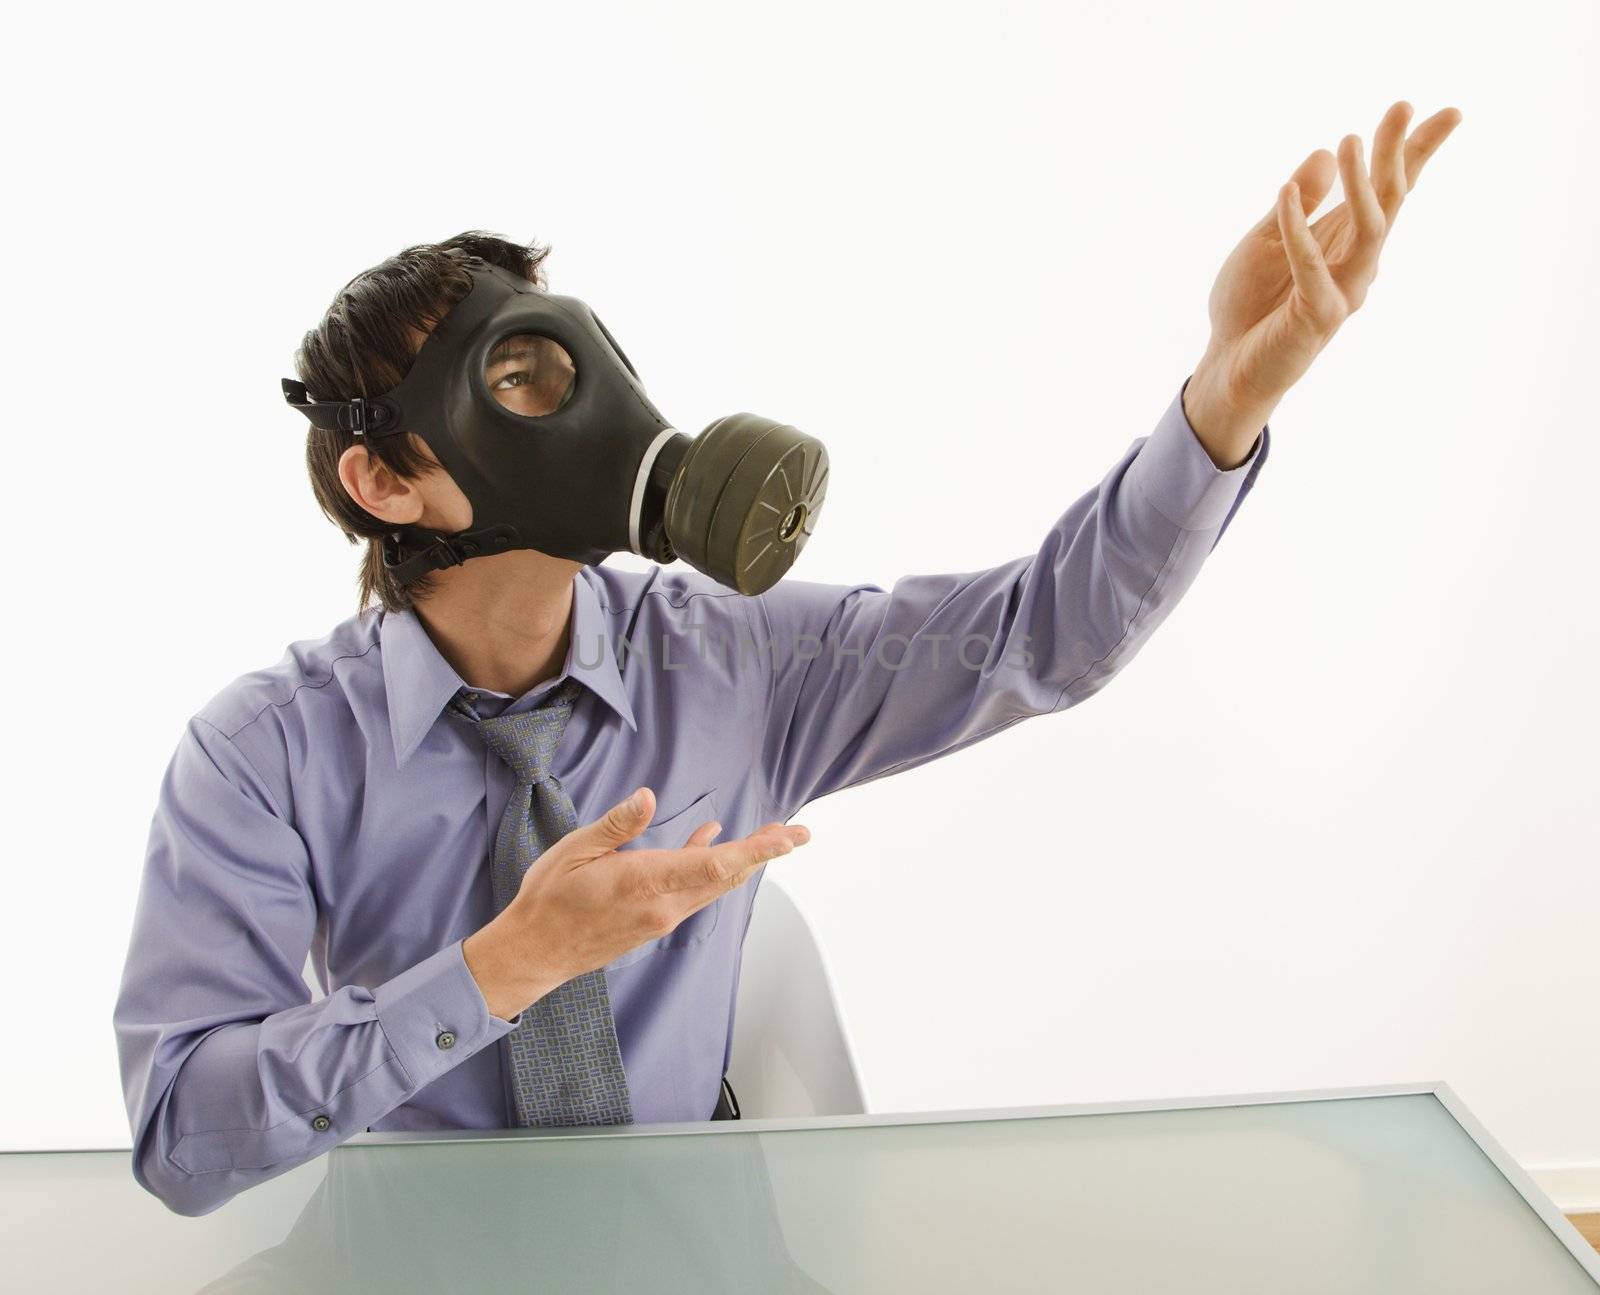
point(503, 622)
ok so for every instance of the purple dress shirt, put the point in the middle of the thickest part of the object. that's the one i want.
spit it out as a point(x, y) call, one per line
point(333, 804)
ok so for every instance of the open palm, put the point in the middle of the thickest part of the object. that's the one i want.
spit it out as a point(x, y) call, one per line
point(1286, 288)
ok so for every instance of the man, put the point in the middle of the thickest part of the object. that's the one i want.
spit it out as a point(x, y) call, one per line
point(486, 807)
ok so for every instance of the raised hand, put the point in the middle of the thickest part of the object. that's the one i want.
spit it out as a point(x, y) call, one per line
point(1287, 287)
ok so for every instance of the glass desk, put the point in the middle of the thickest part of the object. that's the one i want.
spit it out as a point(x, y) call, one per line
point(1358, 1190)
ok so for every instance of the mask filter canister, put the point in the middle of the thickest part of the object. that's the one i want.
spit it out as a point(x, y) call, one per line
point(743, 500)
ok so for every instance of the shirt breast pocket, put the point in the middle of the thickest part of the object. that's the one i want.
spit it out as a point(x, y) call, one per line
point(671, 833)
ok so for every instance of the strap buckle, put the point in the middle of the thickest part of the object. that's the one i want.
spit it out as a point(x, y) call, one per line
point(355, 416)
point(358, 416)
point(362, 417)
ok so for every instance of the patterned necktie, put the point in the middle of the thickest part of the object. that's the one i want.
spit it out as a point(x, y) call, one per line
point(566, 1067)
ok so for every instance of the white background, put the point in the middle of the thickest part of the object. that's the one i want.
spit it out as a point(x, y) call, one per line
point(1335, 825)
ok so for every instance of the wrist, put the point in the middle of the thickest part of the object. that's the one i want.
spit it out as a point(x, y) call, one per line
point(497, 956)
point(1226, 423)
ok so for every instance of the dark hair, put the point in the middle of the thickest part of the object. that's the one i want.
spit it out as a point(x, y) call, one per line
point(363, 347)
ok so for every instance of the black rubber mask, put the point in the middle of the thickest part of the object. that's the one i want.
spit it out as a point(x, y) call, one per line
point(538, 416)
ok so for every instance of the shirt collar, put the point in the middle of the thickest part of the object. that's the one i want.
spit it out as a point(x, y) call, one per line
point(591, 655)
point(418, 682)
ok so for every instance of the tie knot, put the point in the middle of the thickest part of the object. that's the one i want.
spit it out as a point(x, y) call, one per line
point(527, 741)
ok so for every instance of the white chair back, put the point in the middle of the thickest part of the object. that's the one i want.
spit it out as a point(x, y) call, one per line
point(791, 1052)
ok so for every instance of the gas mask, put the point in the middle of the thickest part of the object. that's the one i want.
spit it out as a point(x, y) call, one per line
point(540, 419)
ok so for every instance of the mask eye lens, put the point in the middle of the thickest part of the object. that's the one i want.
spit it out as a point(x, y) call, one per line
point(530, 374)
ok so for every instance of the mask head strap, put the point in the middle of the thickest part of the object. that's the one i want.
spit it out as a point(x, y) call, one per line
point(359, 417)
point(411, 553)
point(408, 556)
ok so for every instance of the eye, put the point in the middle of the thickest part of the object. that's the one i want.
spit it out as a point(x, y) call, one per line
point(530, 375)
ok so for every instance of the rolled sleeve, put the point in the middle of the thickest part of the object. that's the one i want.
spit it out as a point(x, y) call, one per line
point(434, 1016)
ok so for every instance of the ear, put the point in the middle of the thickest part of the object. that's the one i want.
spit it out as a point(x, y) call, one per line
point(374, 486)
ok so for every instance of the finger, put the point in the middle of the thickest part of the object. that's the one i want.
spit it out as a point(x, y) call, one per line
point(800, 835)
point(697, 897)
point(657, 872)
point(1357, 266)
point(1313, 282)
point(1388, 158)
point(698, 866)
point(1315, 178)
point(1425, 140)
point(617, 826)
point(705, 834)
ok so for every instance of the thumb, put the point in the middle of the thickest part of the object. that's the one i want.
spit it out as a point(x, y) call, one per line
point(619, 824)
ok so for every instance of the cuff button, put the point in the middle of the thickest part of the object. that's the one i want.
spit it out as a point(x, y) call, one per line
point(446, 1040)
point(321, 1123)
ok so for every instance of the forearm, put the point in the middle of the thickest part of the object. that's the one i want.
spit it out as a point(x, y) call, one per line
point(1122, 556)
point(222, 1107)
point(940, 661)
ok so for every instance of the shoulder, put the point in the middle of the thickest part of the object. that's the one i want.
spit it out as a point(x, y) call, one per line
point(664, 596)
point(645, 607)
point(310, 672)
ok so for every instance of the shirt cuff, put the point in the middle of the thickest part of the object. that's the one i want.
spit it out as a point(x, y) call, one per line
point(1173, 472)
point(434, 1016)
